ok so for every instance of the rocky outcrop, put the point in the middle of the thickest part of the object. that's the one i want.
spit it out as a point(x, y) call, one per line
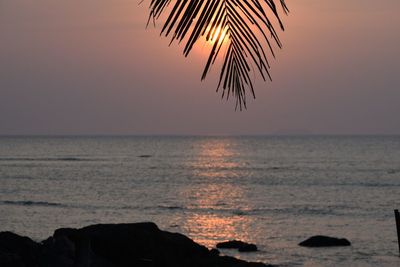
point(17, 250)
point(112, 245)
point(236, 244)
point(325, 241)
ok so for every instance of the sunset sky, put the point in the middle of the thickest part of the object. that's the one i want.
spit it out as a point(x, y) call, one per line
point(91, 67)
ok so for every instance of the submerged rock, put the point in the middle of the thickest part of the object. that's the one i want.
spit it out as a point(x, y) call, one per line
point(112, 245)
point(236, 244)
point(325, 241)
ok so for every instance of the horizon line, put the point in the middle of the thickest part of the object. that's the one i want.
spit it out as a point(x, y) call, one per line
point(207, 135)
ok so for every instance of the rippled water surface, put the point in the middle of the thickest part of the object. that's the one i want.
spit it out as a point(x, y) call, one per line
point(273, 191)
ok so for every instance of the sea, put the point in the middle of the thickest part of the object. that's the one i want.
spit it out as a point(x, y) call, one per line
point(273, 191)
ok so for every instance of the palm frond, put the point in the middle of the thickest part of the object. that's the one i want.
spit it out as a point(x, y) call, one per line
point(244, 26)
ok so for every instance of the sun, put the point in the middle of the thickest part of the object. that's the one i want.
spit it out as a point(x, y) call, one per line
point(213, 36)
point(218, 34)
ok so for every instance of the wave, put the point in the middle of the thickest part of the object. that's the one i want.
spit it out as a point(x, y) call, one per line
point(371, 184)
point(313, 211)
point(31, 203)
point(46, 159)
point(17, 177)
point(393, 171)
point(257, 211)
point(171, 207)
point(145, 156)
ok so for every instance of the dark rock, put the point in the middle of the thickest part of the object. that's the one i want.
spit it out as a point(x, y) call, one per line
point(325, 241)
point(10, 260)
point(248, 248)
point(214, 252)
point(236, 244)
point(136, 244)
point(112, 245)
point(58, 251)
point(17, 250)
point(233, 262)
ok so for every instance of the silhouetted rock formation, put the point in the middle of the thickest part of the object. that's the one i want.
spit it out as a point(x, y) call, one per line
point(16, 250)
point(325, 241)
point(236, 244)
point(112, 245)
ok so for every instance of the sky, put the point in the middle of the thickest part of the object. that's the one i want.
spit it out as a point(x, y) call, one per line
point(91, 67)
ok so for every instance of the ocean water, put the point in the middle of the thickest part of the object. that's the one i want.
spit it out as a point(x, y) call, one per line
point(272, 191)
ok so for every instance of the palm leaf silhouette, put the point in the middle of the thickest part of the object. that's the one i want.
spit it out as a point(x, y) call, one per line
point(243, 27)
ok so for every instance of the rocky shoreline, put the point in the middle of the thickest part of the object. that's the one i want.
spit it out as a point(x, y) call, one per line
point(112, 245)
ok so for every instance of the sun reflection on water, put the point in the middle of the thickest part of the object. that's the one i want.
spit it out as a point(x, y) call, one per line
point(216, 158)
point(218, 201)
point(209, 229)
